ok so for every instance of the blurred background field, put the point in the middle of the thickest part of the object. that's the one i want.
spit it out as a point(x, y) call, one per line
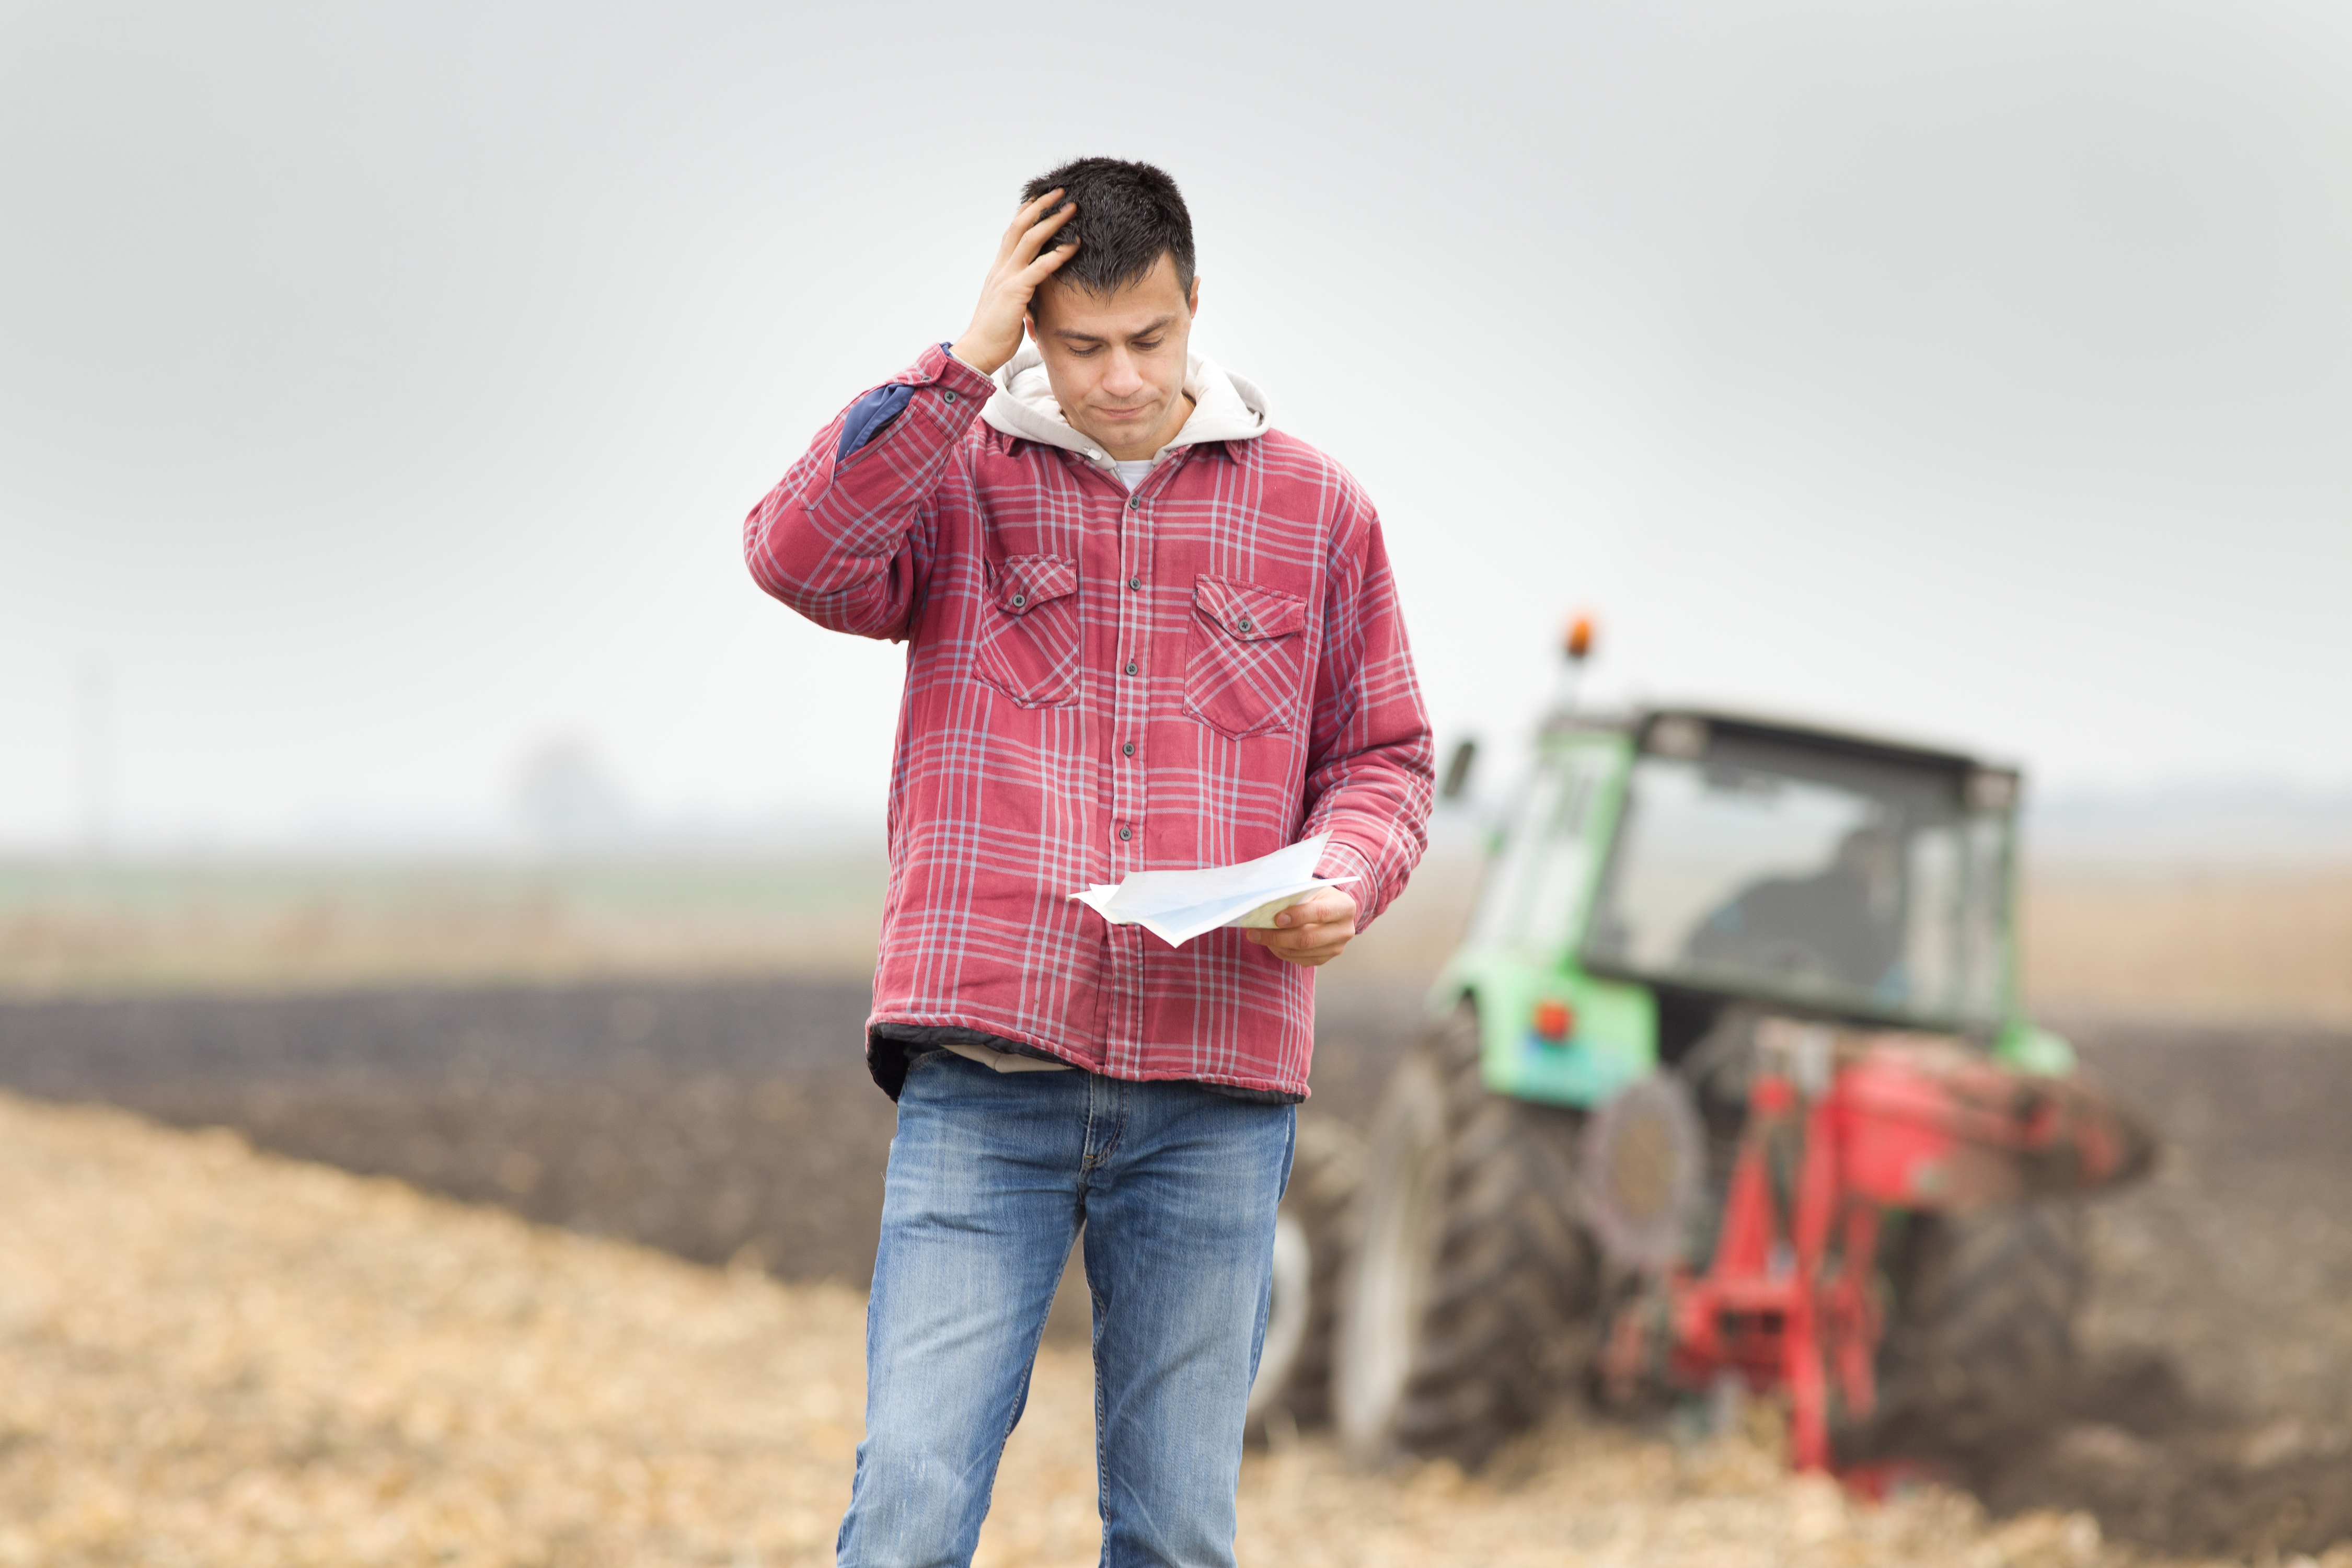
point(2248, 946)
point(2208, 937)
point(632, 1049)
point(310, 1353)
point(83, 927)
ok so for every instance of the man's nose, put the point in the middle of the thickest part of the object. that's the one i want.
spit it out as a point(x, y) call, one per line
point(1123, 379)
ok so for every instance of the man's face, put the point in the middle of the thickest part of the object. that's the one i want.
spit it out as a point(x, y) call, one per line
point(1117, 361)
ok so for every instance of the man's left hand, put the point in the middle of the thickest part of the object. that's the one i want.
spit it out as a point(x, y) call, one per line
point(1311, 931)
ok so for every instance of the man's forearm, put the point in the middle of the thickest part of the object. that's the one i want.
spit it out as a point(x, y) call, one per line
point(1371, 778)
point(833, 540)
point(1375, 804)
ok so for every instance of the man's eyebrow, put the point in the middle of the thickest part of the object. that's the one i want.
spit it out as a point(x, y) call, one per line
point(1072, 335)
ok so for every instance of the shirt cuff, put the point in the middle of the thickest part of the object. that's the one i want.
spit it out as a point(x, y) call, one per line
point(872, 414)
point(1345, 861)
point(949, 372)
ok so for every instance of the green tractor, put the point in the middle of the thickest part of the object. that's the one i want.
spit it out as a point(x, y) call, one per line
point(1728, 1085)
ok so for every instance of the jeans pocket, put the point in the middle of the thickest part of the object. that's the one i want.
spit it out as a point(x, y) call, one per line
point(1245, 671)
point(1029, 635)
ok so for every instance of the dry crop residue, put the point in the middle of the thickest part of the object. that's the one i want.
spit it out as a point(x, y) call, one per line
point(213, 1356)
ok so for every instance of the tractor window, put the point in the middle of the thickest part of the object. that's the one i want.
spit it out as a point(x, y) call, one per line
point(1538, 885)
point(1776, 870)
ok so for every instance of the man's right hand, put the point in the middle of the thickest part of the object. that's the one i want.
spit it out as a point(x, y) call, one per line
point(994, 335)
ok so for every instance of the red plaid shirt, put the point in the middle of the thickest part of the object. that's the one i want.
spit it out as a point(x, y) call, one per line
point(1100, 683)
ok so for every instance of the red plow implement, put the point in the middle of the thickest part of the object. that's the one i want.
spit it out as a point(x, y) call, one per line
point(1846, 1132)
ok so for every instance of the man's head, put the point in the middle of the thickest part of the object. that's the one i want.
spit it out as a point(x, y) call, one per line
point(1129, 214)
point(1115, 323)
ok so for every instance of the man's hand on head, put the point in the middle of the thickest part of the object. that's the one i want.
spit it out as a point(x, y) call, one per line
point(1311, 931)
point(994, 335)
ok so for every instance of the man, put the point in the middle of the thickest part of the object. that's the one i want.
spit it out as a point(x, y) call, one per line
point(1144, 630)
point(1843, 924)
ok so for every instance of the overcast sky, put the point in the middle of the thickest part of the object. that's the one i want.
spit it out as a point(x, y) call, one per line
point(382, 387)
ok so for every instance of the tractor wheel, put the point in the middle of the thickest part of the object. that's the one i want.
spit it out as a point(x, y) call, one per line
point(1312, 1237)
point(1981, 1341)
point(1470, 1303)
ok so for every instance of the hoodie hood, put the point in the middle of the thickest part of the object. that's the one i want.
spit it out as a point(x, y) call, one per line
point(1225, 407)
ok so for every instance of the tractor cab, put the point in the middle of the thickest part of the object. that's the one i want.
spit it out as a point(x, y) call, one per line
point(1664, 865)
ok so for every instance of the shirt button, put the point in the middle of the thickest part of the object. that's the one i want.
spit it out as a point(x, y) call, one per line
point(948, 395)
point(1133, 502)
point(1131, 667)
point(1135, 583)
point(1129, 748)
point(1021, 599)
point(1125, 834)
point(1245, 620)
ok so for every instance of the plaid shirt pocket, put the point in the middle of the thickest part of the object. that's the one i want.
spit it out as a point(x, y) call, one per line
point(1246, 668)
point(1029, 636)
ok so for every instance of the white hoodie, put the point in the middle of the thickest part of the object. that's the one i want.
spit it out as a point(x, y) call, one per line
point(1225, 407)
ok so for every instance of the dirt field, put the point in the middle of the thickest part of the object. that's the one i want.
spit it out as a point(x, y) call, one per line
point(2210, 945)
point(732, 1122)
point(2215, 944)
point(78, 928)
point(212, 1357)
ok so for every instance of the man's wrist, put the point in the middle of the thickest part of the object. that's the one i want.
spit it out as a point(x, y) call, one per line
point(985, 364)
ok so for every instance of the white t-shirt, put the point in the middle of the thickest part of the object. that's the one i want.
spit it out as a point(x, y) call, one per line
point(1007, 1061)
point(1135, 473)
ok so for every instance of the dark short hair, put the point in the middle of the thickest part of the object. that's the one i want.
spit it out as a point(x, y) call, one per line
point(1129, 214)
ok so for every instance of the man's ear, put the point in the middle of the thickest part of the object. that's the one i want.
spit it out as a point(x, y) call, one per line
point(1029, 325)
point(1192, 299)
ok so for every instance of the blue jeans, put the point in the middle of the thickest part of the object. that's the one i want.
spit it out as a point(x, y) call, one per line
point(990, 1175)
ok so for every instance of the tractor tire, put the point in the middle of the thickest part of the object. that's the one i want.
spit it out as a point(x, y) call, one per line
point(1313, 1235)
point(1981, 1341)
point(1470, 1304)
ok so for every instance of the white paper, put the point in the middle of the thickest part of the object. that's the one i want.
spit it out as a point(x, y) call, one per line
point(1177, 906)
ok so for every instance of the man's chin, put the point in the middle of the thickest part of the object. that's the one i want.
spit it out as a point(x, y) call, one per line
point(1117, 435)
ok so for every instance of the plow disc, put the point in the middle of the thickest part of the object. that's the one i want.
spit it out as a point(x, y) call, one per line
point(1843, 1127)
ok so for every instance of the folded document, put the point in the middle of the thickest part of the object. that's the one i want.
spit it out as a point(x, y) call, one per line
point(1177, 906)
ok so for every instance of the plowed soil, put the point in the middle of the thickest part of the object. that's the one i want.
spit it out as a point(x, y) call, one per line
point(734, 1123)
point(222, 1359)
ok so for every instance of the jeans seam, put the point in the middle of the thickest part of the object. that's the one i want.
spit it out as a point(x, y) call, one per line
point(1086, 1159)
point(1019, 1408)
point(1097, 1158)
point(1102, 1445)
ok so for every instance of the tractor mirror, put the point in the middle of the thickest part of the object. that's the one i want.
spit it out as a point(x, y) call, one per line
point(1992, 789)
point(1457, 769)
point(1677, 735)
